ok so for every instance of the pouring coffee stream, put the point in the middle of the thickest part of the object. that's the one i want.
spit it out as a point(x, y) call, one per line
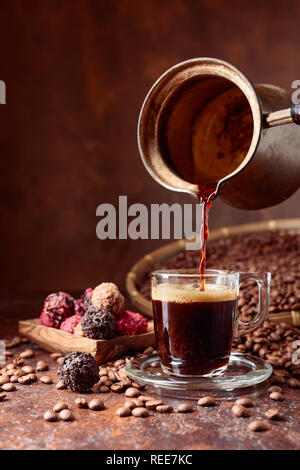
point(206, 130)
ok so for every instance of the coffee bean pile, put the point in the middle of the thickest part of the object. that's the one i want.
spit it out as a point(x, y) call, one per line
point(279, 344)
point(276, 252)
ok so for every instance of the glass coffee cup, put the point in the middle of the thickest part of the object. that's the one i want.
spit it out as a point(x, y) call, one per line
point(195, 328)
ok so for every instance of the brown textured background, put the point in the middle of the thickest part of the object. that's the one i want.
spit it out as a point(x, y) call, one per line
point(76, 73)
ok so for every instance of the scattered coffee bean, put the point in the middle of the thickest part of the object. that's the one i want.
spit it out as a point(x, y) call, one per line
point(2, 396)
point(61, 405)
point(11, 365)
point(277, 380)
point(14, 379)
point(132, 392)
point(138, 386)
point(60, 385)
point(42, 366)
point(119, 362)
point(8, 387)
point(96, 404)
point(130, 404)
point(19, 361)
point(273, 414)
point(140, 412)
point(25, 380)
point(258, 426)
point(107, 383)
point(137, 402)
point(112, 376)
point(103, 389)
point(276, 396)
point(27, 354)
point(292, 383)
point(207, 401)
point(151, 405)
point(274, 388)
point(145, 398)
point(81, 402)
point(50, 416)
point(149, 350)
point(117, 387)
point(45, 379)
point(103, 379)
point(103, 372)
point(126, 382)
point(244, 402)
point(55, 355)
point(33, 377)
point(164, 409)
point(281, 373)
point(4, 379)
point(184, 408)
point(240, 411)
point(28, 369)
point(123, 412)
point(65, 415)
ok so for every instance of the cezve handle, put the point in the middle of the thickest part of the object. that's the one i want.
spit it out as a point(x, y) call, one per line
point(284, 116)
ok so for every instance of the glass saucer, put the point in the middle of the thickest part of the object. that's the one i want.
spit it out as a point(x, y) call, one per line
point(243, 371)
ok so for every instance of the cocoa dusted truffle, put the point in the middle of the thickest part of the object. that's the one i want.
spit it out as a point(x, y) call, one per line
point(108, 296)
point(79, 371)
point(57, 307)
point(98, 323)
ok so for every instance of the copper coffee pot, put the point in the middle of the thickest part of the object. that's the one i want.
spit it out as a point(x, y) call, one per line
point(204, 122)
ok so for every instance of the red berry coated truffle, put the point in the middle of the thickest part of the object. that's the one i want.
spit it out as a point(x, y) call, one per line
point(98, 323)
point(70, 323)
point(79, 371)
point(82, 302)
point(57, 307)
point(131, 323)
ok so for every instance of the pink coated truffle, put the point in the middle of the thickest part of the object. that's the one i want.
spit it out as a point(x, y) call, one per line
point(70, 323)
point(57, 307)
point(131, 323)
point(108, 296)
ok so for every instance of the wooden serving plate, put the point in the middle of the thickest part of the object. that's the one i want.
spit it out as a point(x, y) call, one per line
point(103, 350)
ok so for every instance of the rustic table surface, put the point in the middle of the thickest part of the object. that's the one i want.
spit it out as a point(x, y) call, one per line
point(22, 425)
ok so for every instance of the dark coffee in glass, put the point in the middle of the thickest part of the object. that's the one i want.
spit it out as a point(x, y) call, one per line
point(194, 328)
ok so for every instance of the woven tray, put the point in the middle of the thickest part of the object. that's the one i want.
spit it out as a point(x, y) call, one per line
point(156, 259)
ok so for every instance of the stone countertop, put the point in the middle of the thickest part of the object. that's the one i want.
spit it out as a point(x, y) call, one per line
point(22, 425)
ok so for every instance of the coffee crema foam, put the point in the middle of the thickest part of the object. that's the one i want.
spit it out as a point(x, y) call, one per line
point(188, 293)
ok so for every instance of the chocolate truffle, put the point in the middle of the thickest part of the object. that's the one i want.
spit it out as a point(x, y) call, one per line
point(79, 371)
point(82, 303)
point(108, 296)
point(131, 323)
point(57, 307)
point(70, 323)
point(98, 323)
